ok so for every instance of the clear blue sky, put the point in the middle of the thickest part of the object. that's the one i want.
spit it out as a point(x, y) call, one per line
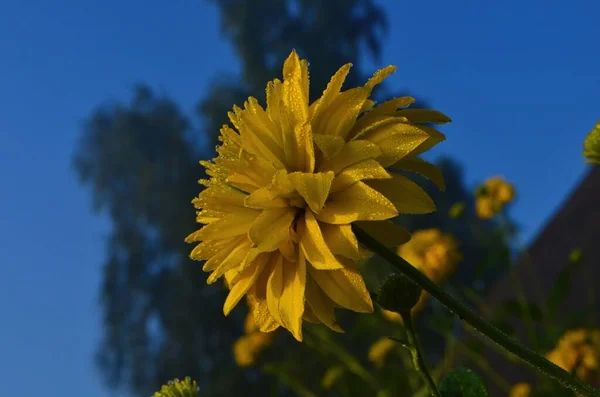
point(520, 79)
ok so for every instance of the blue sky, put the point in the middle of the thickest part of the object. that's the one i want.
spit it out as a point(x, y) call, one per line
point(520, 80)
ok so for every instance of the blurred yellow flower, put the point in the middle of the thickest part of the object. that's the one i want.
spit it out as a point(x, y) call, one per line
point(177, 388)
point(435, 254)
point(579, 350)
point(520, 390)
point(247, 348)
point(287, 185)
point(492, 196)
point(379, 351)
point(591, 146)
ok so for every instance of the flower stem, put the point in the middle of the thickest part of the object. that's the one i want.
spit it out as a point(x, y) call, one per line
point(464, 313)
point(417, 354)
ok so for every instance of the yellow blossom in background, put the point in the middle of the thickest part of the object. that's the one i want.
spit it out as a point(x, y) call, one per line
point(247, 348)
point(579, 350)
point(435, 254)
point(520, 390)
point(591, 146)
point(289, 181)
point(177, 388)
point(492, 196)
point(379, 351)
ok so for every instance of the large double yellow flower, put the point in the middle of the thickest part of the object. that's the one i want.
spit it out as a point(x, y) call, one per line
point(287, 185)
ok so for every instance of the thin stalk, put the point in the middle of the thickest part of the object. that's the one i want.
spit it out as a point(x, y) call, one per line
point(464, 313)
point(417, 354)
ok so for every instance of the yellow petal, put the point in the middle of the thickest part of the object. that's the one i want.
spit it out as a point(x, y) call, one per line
point(294, 96)
point(352, 153)
point(379, 76)
point(333, 89)
point(257, 139)
point(224, 248)
point(343, 112)
point(292, 299)
point(230, 226)
point(275, 290)
point(428, 170)
point(263, 318)
point(220, 197)
point(321, 306)
point(407, 196)
point(341, 240)
point(358, 202)
point(422, 116)
point(304, 147)
point(271, 228)
point(396, 140)
point(314, 188)
point(207, 249)
point(386, 232)
point(288, 248)
point(283, 125)
point(329, 145)
point(345, 287)
point(264, 198)
point(435, 137)
point(313, 246)
point(246, 279)
point(391, 106)
point(366, 169)
point(234, 259)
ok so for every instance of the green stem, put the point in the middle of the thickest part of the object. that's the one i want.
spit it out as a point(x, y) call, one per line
point(417, 354)
point(464, 313)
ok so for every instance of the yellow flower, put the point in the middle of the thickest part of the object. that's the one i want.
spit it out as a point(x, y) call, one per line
point(287, 185)
point(177, 388)
point(435, 254)
point(492, 196)
point(247, 348)
point(579, 350)
point(379, 351)
point(520, 390)
point(591, 146)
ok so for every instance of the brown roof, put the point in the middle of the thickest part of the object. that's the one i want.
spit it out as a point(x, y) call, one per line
point(576, 225)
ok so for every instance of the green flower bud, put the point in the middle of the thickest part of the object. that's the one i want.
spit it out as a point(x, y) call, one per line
point(399, 294)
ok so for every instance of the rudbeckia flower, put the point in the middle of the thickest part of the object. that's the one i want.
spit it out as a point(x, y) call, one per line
point(578, 351)
point(289, 181)
point(492, 196)
point(435, 254)
point(247, 348)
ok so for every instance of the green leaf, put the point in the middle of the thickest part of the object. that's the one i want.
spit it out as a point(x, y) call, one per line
point(562, 286)
point(463, 382)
